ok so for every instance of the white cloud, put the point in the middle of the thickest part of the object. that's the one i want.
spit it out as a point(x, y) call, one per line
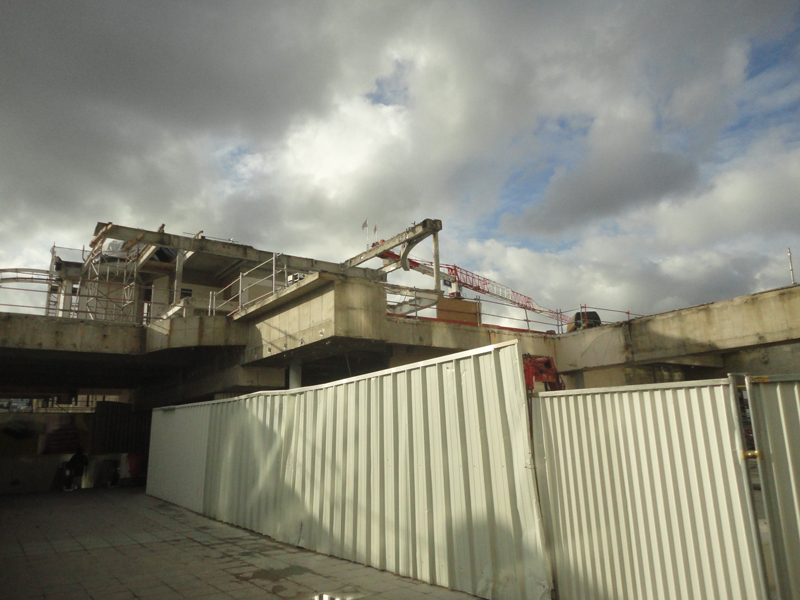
point(623, 141)
point(754, 200)
point(334, 155)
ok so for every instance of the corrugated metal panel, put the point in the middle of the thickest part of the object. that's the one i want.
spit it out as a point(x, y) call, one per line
point(646, 494)
point(118, 428)
point(775, 409)
point(423, 470)
point(179, 442)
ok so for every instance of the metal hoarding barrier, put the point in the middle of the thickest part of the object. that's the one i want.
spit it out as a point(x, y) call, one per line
point(179, 438)
point(424, 470)
point(645, 493)
point(775, 411)
point(116, 427)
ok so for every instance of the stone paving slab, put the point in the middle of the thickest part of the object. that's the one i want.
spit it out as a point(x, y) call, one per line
point(120, 544)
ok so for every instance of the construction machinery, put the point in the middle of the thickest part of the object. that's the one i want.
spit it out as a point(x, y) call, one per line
point(542, 370)
point(457, 277)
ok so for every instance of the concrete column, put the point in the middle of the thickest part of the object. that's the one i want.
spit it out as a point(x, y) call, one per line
point(137, 304)
point(64, 298)
point(295, 375)
point(179, 260)
point(437, 285)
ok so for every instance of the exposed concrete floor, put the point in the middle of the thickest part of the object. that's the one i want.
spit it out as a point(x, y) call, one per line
point(120, 543)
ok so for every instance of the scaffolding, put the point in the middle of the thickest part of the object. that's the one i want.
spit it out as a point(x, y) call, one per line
point(97, 285)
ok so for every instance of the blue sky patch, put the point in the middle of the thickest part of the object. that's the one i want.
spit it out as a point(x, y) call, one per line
point(767, 54)
point(391, 90)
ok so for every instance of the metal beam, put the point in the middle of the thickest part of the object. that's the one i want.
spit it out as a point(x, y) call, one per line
point(420, 299)
point(404, 290)
point(408, 307)
point(409, 238)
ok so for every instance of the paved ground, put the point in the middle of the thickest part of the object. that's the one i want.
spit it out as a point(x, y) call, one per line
point(120, 543)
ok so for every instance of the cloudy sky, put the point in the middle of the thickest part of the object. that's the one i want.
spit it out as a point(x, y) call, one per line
point(634, 155)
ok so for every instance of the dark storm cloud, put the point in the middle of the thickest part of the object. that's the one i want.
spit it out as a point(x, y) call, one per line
point(608, 184)
point(109, 109)
point(173, 61)
point(285, 124)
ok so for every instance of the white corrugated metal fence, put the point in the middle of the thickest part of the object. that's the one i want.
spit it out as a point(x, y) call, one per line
point(775, 410)
point(428, 471)
point(180, 436)
point(424, 470)
point(645, 493)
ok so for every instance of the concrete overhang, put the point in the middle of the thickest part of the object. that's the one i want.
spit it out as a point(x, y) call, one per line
point(695, 336)
point(235, 380)
point(194, 331)
point(298, 323)
point(35, 332)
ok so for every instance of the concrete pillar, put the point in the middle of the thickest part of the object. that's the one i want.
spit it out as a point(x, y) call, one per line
point(295, 375)
point(179, 260)
point(64, 298)
point(437, 285)
point(137, 304)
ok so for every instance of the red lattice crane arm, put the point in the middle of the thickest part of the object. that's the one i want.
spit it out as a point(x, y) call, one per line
point(481, 284)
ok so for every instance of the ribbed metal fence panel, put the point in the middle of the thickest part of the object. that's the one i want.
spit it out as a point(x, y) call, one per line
point(646, 494)
point(118, 428)
point(424, 470)
point(775, 410)
point(179, 438)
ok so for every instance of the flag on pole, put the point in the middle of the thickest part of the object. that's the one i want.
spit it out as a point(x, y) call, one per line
point(375, 229)
point(366, 224)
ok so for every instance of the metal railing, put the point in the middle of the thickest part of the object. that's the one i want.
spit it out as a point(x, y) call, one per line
point(237, 301)
point(76, 306)
point(489, 318)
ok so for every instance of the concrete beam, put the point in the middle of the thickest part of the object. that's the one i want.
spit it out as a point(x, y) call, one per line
point(753, 320)
point(409, 238)
point(297, 317)
point(237, 379)
point(194, 331)
point(226, 249)
point(356, 309)
point(713, 361)
point(688, 334)
point(37, 332)
point(456, 337)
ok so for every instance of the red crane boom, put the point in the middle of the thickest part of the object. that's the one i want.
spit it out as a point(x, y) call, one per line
point(481, 284)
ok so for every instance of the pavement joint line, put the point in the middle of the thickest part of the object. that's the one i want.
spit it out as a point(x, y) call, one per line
point(124, 544)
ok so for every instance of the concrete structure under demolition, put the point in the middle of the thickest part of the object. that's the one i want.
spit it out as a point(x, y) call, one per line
point(142, 319)
point(167, 319)
point(428, 439)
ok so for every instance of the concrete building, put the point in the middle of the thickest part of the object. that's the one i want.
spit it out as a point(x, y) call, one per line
point(145, 319)
point(149, 318)
point(168, 319)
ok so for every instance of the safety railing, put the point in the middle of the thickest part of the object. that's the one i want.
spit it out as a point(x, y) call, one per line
point(237, 301)
point(104, 305)
point(495, 313)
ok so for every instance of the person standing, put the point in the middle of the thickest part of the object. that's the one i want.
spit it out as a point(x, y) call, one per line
point(76, 465)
